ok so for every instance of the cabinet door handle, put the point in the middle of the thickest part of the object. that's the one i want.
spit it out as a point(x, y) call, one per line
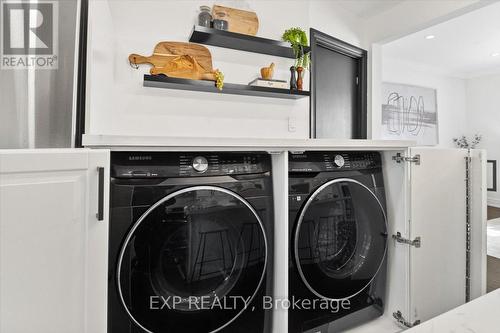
point(100, 194)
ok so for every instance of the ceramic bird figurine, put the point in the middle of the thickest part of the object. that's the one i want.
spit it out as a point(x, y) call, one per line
point(267, 72)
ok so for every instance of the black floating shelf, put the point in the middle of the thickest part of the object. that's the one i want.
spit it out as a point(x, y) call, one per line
point(241, 42)
point(161, 81)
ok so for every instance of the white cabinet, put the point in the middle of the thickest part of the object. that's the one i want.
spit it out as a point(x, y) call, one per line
point(53, 246)
point(427, 202)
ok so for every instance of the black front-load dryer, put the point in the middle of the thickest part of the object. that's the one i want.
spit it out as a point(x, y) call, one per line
point(338, 240)
point(191, 239)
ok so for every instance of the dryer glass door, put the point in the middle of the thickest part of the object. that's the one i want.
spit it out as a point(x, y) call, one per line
point(192, 261)
point(340, 239)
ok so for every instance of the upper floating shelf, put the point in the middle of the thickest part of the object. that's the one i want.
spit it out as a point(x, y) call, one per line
point(241, 42)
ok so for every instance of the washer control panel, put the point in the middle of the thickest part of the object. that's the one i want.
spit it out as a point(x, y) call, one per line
point(163, 164)
point(317, 161)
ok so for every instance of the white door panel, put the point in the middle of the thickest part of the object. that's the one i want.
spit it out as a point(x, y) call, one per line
point(97, 246)
point(40, 242)
point(45, 235)
point(438, 216)
point(398, 261)
point(478, 222)
point(281, 239)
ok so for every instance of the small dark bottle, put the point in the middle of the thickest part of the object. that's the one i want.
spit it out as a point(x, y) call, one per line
point(293, 79)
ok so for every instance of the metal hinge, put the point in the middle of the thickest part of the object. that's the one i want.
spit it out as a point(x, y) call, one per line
point(297, 152)
point(399, 317)
point(417, 242)
point(413, 159)
point(357, 80)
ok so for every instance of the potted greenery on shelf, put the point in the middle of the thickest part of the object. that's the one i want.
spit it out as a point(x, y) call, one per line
point(298, 40)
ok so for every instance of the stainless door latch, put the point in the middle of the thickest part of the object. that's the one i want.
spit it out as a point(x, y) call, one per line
point(399, 317)
point(417, 242)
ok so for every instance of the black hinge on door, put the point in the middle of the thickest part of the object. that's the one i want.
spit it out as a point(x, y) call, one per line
point(100, 194)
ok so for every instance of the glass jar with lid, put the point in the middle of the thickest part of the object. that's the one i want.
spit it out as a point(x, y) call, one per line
point(220, 21)
point(205, 17)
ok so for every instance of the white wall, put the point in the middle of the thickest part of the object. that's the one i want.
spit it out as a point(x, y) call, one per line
point(451, 95)
point(483, 117)
point(406, 18)
point(118, 104)
point(331, 18)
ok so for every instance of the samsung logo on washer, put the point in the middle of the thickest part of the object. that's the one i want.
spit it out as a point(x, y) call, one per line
point(140, 158)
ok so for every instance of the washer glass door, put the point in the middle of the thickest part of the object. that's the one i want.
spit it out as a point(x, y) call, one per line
point(340, 239)
point(192, 261)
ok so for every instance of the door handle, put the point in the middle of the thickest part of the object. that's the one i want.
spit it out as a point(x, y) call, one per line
point(100, 194)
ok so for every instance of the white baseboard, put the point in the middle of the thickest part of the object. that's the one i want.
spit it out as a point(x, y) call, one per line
point(495, 202)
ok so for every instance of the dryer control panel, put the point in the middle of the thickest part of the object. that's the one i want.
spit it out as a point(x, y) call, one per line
point(168, 164)
point(319, 161)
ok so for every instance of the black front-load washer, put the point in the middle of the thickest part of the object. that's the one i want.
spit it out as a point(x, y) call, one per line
point(338, 240)
point(191, 239)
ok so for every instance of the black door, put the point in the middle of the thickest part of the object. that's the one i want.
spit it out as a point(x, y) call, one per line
point(192, 262)
point(336, 94)
point(340, 239)
point(338, 87)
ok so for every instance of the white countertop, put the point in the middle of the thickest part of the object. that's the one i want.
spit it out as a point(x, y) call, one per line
point(383, 324)
point(122, 142)
point(481, 315)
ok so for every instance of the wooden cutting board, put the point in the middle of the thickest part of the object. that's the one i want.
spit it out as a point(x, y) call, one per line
point(165, 52)
point(239, 21)
point(184, 67)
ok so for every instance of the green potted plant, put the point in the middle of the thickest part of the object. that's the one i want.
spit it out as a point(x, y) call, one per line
point(298, 40)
